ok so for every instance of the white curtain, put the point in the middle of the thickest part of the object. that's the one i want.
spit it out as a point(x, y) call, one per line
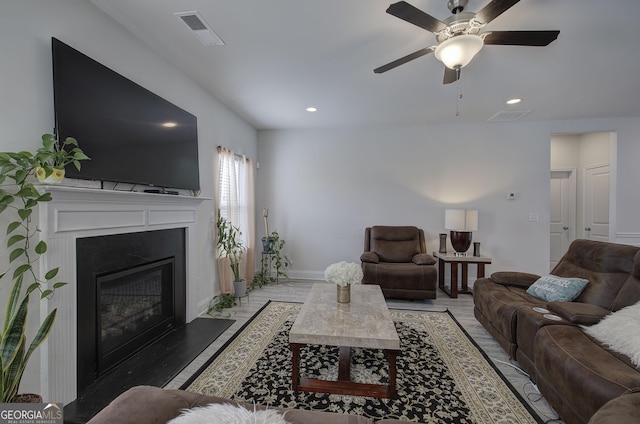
point(247, 221)
point(235, 200)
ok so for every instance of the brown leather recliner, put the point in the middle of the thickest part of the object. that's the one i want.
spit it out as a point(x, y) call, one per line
point(396, 259)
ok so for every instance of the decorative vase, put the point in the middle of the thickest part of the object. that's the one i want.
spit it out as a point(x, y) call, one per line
point(56, 176)
point(443, 243)
point(239, 288)
point(28, 398)
point(268, 244)
point(344, 293)
point(476, 248)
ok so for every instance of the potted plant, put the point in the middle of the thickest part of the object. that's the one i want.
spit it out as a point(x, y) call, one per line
point(344, 274)
point(18, 199)
point(268, 242)
point(271, 258)
point(230, 246)
point(54, 156)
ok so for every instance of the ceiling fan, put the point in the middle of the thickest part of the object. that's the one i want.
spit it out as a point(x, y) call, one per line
point(459, 37)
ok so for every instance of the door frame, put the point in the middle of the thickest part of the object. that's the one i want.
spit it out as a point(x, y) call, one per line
point(613, 182)
point(573, 199)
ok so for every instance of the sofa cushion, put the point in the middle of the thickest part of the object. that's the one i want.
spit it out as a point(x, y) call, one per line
point(620, 332)
point(557, 289)
point(226, 413)
point(395, 244)
point(606, 265)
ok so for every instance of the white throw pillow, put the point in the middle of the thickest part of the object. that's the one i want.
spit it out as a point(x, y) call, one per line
point(620, 332)
point(217, 413)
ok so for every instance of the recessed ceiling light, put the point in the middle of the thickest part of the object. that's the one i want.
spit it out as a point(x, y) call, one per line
point(513, 101)
point(312, 109)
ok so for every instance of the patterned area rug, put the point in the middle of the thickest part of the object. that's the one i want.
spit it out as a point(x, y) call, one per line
point(442, 375)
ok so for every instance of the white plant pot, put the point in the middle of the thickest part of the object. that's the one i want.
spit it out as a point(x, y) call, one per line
point(240, 288)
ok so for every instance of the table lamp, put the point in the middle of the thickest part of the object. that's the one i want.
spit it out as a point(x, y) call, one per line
point(461, 223)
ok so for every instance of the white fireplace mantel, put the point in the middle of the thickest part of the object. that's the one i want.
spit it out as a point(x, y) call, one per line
point(79, 212)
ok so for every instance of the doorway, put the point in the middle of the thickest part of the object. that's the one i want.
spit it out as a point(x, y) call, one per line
point(582, 189)
point(563, 213)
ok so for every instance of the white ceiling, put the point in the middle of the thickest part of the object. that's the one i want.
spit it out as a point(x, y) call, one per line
point(281, 56)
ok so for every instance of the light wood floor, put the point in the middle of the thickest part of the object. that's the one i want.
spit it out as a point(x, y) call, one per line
point(461, 308)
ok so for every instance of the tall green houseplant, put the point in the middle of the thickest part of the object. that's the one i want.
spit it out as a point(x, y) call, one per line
point(19, 197)
point(230, 246)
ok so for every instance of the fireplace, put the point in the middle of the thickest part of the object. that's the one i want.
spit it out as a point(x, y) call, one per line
point(76, 214)
point(131, 291)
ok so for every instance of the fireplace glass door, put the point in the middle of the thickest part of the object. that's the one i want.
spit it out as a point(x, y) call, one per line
point(134, 306)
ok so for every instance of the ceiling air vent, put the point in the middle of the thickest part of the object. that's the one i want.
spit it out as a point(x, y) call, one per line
point(200, 28)
point(508, 116)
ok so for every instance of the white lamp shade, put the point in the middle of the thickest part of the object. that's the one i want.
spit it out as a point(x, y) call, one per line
point(461, 220)
point(471, 222)
point(454, 219)
point(459, 50)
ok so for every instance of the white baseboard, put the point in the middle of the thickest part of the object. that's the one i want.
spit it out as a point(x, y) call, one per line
point(305, 275)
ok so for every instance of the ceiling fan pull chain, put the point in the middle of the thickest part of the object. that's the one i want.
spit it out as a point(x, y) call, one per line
point(459, 96)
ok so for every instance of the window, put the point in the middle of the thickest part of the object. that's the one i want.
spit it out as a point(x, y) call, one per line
point(235, 198)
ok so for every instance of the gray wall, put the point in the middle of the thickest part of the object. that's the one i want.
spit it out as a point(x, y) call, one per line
point(323, 187)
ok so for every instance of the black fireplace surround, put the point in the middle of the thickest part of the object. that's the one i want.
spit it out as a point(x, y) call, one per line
point(131, 291)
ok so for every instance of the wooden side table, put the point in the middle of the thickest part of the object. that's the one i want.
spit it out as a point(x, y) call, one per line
point(454, 261)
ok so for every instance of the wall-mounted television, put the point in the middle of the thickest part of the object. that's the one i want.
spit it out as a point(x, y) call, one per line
point(131, 134)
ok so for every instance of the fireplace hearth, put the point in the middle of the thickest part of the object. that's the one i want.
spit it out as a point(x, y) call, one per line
point(131, 291)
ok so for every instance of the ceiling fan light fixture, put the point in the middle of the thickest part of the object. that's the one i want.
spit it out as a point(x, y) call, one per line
point(457, 51)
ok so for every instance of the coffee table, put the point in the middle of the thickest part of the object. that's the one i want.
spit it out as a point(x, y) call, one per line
point(365, 322)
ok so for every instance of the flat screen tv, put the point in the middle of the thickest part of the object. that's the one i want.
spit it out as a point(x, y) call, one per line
point(131, 134)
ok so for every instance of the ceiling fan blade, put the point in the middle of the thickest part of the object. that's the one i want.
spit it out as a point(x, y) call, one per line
point(450, 75)
point(403, 60)
point(521, 38)
point(493, 10)
point(413, 15)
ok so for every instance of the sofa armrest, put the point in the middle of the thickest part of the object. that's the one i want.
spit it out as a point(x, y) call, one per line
point(517, 279)
point(423, 259)
point(578, 313)
point(622, 409)
point(146, 404)
point(370, 257)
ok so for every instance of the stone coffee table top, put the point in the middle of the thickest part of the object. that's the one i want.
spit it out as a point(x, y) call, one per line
point(364, 322)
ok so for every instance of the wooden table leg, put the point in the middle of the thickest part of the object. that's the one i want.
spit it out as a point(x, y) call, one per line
point(295, 365)
point(465, 278)
point(344, 364)
point(343, 385)
point(391, 357)
point(454, 280)
point(480, 270)
point(441, 274)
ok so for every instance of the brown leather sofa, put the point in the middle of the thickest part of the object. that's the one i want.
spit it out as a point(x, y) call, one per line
point(396, 259)
point(576, 374)
point(153, 405)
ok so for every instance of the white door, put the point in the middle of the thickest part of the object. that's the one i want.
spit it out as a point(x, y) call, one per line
point(596, 202)
point(562, 216)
